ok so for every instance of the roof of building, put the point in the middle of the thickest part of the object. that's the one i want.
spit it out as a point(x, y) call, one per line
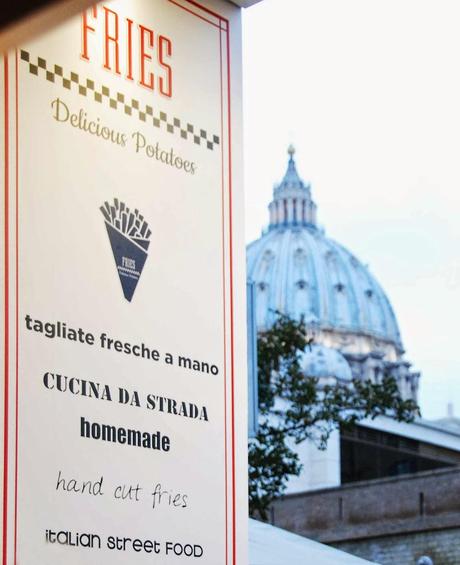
point(449, 425)
point(427, 431)
point(273, 546)
point(301, 272)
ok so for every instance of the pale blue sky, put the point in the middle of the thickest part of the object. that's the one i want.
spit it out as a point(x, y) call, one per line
point(369, 93)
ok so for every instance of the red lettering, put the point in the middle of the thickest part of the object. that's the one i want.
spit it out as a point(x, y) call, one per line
point(165, 50)
point(129, 55)
point(145, 56)
point(85, 27)
point(111, 39)
point(116, 33)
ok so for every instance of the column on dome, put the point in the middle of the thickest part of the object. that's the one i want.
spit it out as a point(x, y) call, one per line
point(272, 212)
point(290, 209)
point(310, 212)
point(304, 211)
point(295, 218)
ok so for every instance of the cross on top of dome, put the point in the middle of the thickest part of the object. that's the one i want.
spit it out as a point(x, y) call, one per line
point(291, 178)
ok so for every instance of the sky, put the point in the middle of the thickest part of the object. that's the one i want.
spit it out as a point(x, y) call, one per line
point(368, 91)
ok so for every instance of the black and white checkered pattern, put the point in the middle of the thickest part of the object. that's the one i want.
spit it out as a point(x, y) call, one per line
point(118, 101)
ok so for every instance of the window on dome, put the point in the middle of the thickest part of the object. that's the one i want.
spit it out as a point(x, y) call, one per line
point(301, 297)
point(268, 255)
point(340, 287)
point(330, 256)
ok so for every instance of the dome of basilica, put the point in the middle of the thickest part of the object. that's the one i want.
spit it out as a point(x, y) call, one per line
point(299, 271)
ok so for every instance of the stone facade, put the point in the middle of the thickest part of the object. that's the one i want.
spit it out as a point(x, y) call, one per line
point(394, 520)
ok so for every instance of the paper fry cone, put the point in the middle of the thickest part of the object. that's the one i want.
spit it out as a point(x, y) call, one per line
point(129, 249)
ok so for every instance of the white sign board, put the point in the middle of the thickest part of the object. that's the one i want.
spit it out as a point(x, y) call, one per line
point(124, 399)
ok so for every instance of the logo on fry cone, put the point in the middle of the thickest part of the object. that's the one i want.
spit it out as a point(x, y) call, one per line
point(129, 236)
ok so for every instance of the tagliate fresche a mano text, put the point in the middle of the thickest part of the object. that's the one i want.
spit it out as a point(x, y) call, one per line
point(63, 330)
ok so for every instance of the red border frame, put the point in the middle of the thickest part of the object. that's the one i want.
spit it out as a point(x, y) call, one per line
point(16, 458)
point(225, 29)
point(7, 318)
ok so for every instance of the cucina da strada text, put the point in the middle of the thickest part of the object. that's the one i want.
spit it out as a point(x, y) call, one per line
point(90, 389)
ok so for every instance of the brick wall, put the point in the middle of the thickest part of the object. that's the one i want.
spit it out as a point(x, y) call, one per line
point(442, 546)
point(388, 521)
point(405, 504)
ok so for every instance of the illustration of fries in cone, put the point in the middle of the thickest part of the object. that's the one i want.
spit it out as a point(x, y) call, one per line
point(129, 236)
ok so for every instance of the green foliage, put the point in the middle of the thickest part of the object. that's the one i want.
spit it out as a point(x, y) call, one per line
point(293, 408)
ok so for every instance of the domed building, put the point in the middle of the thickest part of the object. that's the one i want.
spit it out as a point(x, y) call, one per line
point(299, 271)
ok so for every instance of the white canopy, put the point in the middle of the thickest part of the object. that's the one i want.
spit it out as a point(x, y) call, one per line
point(273, 546)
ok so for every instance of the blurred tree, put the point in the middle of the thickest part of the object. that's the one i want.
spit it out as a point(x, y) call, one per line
point(294, 408)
